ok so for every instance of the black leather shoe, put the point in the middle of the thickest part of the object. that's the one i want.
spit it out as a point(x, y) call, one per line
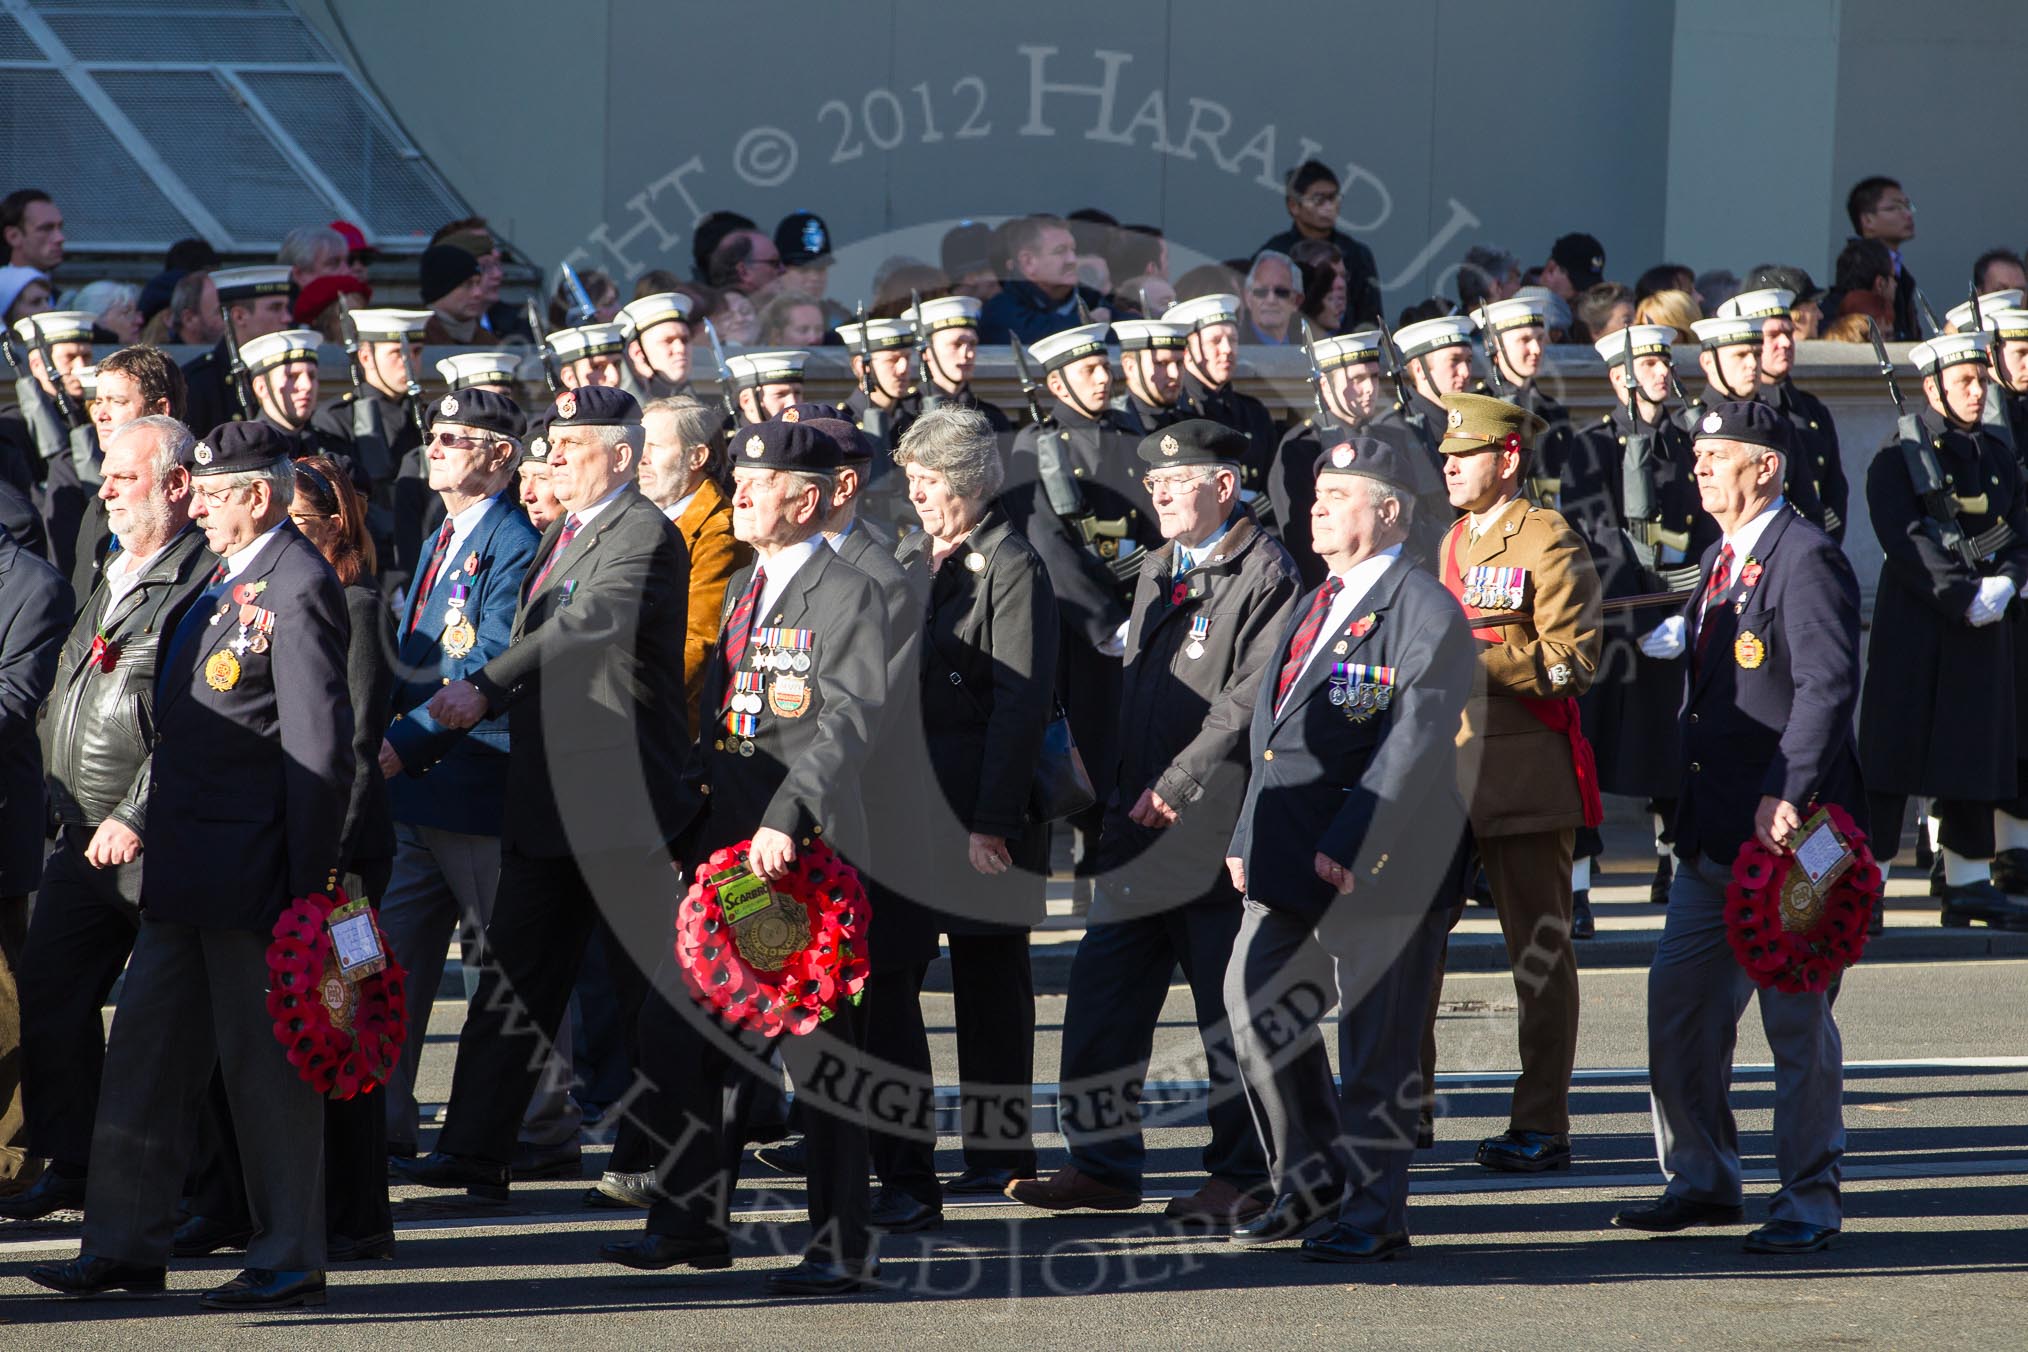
point(1675, 1213)
point(1665, 874)
point(201, 1235)
point(985, 1182)
point(1790, 1237)
point(263, 1289)
point(401, 1150)
point(1425, 1135)
point(640, 1190)
point(47, 1195)
point(2010, 871)
point(652, 1253)
point(89, 1275)
point(1285, 1219)
point(1350, 1244)
point(363, 1249)
point(900, 1214)
point(483, 1179)
point(1985, 903)
point(1582, 925)
point(812, 1278)
point(1525, 1152)
point(534, 1162)
point(789, 1158)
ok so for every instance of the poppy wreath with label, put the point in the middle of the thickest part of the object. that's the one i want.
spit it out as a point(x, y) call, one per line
point(1784, 948)
point(790, 953)
point(342, 1035)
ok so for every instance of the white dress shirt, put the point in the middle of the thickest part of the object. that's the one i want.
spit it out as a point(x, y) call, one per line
point(1355, 582)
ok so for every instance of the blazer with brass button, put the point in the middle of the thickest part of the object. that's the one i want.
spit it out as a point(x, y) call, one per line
point(1517, 772)
point(1374, 789)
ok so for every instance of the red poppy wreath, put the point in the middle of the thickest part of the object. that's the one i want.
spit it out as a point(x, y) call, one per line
point(780, 958)
point(343, 1034)
point(1790, 935)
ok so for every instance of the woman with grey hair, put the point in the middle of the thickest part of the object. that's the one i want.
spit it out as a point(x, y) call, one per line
point(117, 305)
point(988, 683)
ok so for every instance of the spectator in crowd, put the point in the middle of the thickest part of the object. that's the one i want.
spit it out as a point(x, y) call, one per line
point(1806, 310)
point(23, 292)
point(455, 290)
point(1864, 281)
point(31, 227)
point(707, 235)
point(117, 305)
point(1274, 290)
point(316, 305)
point(1999, 270)
point(1138, 251)
point(313, 251)
point(1207, 279)
point(1602, 311)
point(804, 242)
point(792, 319)
point(184, 257)
point(1667, 277)
point(894, 291)
point(195, 315)
point(967, 257)
point(1851, 327)
point(748, 262)
point(1715, 288)
point(1325, 290)
point(1095, 231)
point(1311, 194)
point(1881, 212)
point(360, 256)
point(655, 281)
point(1677, 309)
point(1488, 273)
point(598, 287)
point(733, 315)
point(1041, 294)
point(1576, 264)
point(475, 236)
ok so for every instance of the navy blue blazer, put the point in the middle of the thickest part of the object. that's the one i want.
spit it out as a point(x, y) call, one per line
point(450, 780)
point(1377, 793)
point(1771, 701)
point(249, 783)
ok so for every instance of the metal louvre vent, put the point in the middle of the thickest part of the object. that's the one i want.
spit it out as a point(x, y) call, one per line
point(156, 36)
point(386, 181)
point(48, 134)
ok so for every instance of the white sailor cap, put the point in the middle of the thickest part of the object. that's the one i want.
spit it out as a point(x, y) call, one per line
point(2009, 323)
point(1770, 302)
point(1960, 316)
point(587, 340)
point(1138, 335)
point(1949, 349)
point(1430, 334)
point(57, 326)
point(1204, 312)
point(1059, 350)
point(1647, 340)
point(270, 279)
point(274, 349)
point(390, 326)
point(1736, 331)
point(876, 335)
point(638, 316)
point(1348, 349)
point(945, 312)
point(463, 370)
point(751, 370)
point(1516, 312)
point(88, 380)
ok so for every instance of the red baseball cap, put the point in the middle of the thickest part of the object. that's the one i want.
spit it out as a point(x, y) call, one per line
point(355, 238)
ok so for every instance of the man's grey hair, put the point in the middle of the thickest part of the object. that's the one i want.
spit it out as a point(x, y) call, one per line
point(697, 424)
point(1276, 256)
point(957, 443)
point(173, 442)
point(306, 244)
point(188, 295)
point(1379, 492)
point(279, 475)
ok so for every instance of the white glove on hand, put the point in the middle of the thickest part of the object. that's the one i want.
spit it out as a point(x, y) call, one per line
point(1667, 639)
point(1991, 602)
point(1116, 646)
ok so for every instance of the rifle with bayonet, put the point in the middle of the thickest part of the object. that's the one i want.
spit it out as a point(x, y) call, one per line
point(369, 447)
point(551, 375)
point(235, 369)
point(71, 430)
point(1327, 424)
point(1404, 401)
point(1496, 379)
point(1935, 326)
point(725, 391)
point(933, 395)
point(1640, 511)
point(1923, 469)
point(876, 423)
point(581, 309)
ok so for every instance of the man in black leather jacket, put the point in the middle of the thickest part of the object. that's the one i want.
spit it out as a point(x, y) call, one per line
point(96, 737)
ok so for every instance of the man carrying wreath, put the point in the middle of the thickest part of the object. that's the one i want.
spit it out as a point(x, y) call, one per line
point(1773, 637)
point(794, 693)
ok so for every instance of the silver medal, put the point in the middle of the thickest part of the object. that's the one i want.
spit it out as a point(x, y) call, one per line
point(801, 662)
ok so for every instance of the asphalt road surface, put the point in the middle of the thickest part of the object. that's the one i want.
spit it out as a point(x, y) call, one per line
point(1933, 1255)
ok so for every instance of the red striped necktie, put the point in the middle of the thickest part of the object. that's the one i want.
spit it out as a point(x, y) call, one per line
point(1306, 638)
point(422, 595)
point(562, 543)
point(1714, 592)
point(739, 627)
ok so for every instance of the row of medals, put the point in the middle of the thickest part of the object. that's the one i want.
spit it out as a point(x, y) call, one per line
point(459, 637)
point(787, 664)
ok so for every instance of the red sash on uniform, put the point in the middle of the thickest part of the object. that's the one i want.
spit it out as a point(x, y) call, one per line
point(1558, 715)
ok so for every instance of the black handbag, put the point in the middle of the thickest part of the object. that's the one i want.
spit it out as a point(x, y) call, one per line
point(1061, 787)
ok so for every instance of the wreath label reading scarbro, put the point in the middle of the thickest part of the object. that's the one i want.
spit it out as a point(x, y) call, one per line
point(768, 927)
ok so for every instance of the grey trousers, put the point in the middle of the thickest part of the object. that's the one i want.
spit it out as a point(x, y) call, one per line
point(1696, 993)
point(441, 877)
point(194, 999)
point(1348, 1146)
